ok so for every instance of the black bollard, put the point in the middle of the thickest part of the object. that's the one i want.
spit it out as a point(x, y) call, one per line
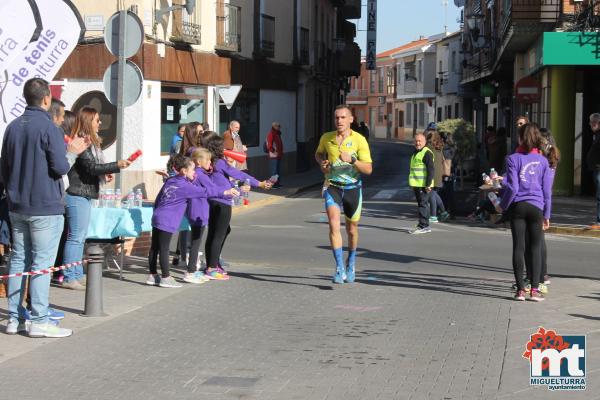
point(93, 286)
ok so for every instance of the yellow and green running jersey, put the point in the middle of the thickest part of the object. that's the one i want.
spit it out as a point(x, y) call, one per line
point(343, 173)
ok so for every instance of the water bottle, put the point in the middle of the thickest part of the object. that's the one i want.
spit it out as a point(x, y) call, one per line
point(246, 194)
point(139, 198)
point(236, 200)
point(486, 179)
point(101, 198)
point(118, 198)
point(273, 179)
point(109, 197)
point(493, 198)
point(130, 199)
point(493, 174)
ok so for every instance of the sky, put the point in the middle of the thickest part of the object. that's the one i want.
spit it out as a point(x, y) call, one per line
point(401, 21)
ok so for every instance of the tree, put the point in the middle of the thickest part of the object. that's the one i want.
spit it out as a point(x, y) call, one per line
point(462, 134)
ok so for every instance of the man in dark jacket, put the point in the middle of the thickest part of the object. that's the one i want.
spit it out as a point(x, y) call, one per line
point(593, 162)
point(33, 163)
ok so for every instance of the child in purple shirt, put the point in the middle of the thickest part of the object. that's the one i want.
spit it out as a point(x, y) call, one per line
point(220, 208)
point(169, 208)
point(198, 209)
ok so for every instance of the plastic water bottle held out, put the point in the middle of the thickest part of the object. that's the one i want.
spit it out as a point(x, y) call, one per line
point(486, 179)
point(246, 194)
point(493, 174)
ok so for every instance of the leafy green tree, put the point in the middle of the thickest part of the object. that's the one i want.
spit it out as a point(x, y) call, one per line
point(462, 134)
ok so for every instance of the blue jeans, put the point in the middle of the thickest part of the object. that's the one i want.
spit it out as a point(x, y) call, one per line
point(274, 166)
point(35, 242)
point(597, 181)
point(78, 219)
point(436, 202)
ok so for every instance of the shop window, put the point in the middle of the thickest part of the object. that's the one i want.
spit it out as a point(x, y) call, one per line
point(179, 105)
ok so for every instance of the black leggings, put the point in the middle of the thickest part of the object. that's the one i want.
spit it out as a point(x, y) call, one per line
point(160, 245)
point(544, 260)
point(197, 232)
point(218, 230)
point(526, 221)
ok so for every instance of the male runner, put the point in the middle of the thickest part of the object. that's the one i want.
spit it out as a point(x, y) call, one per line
point(343, 156)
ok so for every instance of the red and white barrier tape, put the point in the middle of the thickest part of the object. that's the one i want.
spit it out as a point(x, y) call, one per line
point(42, 271)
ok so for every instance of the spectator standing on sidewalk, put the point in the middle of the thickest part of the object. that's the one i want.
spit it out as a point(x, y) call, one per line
point(363, 129)
point(343, 156)
point(436, 145)
point(593, 162)
point(233, 141)
point(527, 196)
point(85, 178)
point(420, 179)
point(177, 139)
point(33, 163)
point(275, 147)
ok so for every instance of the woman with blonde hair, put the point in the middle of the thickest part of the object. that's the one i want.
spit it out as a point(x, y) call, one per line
point(85, 178)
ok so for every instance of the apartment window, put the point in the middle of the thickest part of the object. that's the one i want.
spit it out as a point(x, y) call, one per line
point(179, 105)
point(372, 82)
point(391, 80)
point(453, 62)
point(229, 27)
point(439, 114)
point(380, 114)
point(408, 114)
point(304, 38)
point(400, 118)
point(456, 109)
point(381, 78)
point(267, 35)
point(448, 112)
point(420, 70)
point(421, 115)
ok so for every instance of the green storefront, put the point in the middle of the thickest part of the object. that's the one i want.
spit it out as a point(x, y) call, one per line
point(567, 65)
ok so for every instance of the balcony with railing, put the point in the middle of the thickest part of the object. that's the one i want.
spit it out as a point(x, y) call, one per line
point(267, 35)
point(228, 27)
point(186, 32)
point(525, 17)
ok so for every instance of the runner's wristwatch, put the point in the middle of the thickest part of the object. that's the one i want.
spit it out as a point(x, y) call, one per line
point(353, 159)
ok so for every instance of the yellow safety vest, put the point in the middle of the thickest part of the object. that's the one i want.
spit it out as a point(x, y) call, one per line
point(418, 169)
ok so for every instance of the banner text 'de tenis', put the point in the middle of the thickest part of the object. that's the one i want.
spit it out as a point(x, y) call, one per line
point(61, 30)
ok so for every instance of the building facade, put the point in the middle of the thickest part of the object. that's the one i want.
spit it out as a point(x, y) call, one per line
point(536, 58)
point(290, 57)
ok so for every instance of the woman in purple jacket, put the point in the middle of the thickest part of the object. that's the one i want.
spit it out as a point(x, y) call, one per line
point(527, 196)
point(220, 208)
point(169, 208)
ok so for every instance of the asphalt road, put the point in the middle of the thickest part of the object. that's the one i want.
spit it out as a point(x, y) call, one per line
point(429, 316)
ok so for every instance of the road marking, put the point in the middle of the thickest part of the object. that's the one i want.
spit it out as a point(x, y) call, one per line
point(384, 194)
point(278, 226)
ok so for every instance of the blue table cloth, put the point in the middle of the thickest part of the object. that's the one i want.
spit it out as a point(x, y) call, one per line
point(108, 223)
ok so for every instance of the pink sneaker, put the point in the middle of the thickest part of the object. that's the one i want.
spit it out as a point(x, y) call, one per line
point(214, 274)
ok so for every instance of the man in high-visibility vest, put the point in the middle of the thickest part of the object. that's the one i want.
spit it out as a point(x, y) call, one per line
point(420, 178)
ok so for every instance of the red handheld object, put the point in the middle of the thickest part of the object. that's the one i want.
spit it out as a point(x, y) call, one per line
point(237, 156)
point(134, 156)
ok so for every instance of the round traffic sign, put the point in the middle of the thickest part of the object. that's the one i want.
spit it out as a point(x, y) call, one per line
point(133, 35)
point(132, 83)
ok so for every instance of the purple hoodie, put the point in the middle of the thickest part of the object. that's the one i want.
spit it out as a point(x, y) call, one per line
point(197, 208)
point(221, 174)
point(528, 178)
point(171, 202)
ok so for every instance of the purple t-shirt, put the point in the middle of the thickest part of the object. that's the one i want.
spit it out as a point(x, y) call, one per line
point(172, 200)
point(221, 174)
point(528, 178)
point(197, 208)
